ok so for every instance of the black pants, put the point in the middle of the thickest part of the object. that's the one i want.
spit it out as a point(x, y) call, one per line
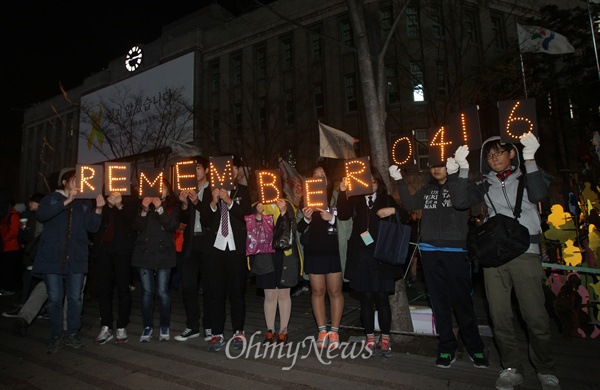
point(380, 300)
point(113, 270)
point(226, 278)
point(448, 279)
point(192, 271)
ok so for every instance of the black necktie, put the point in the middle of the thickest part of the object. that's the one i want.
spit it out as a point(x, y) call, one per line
point(370, 201)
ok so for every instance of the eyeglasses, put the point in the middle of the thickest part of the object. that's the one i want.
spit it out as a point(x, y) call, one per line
point(497, 154)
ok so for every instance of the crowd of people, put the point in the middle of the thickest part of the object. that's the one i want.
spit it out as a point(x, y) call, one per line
point(121, 235)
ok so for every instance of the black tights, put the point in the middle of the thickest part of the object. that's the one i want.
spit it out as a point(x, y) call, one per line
point(367, 313)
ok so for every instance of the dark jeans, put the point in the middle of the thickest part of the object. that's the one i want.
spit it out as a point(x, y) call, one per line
point(57, 286)
point(113, 270)
point(448, 279)
point(192, 271)
point(155, 281)
point(227, 274)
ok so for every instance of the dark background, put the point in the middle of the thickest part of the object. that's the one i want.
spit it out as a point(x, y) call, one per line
point(48, 43)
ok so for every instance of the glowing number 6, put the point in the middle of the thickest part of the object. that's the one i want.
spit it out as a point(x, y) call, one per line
point(395, 146)
point(512, 119)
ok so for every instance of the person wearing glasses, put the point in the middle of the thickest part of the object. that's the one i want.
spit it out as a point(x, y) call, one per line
point(501, 169)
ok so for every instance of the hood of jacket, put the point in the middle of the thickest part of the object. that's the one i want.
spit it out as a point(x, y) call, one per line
point(515, 162)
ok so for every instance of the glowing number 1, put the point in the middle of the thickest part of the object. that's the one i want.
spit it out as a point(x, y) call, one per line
point(463, 123)
point(512, 119)
point(441, 143)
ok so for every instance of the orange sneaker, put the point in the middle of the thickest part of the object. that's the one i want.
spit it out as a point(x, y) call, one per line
point(370, 345)
point(270, 337)
point(334, 340)
point(322, 340)
point(384, 347)
point(282, 339)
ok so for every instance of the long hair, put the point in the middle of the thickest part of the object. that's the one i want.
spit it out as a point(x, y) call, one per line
point(382, 188)
point(327, 178)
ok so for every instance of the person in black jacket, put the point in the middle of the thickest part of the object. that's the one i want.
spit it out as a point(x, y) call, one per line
point(373, 280)
point(111, 251)
point(223, 214)
point(154, 255)
point(323, 266)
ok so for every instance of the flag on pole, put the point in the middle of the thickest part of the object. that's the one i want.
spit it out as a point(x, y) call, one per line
point(292, 181)
point(534, 39)
point(334, 143)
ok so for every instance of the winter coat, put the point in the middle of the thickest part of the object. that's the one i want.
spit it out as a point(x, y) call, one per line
point(155, 244)
point(124, 234)
point(64, 242)
point(9, 230)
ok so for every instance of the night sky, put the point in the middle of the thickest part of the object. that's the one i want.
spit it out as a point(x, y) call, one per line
point(52, 42)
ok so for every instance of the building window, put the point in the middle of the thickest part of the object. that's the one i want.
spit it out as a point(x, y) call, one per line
point(319, 101)
point(261, 104)
point(351, 95)
point(316, 44)
point(261, 65)
point(422, 151)
point(442, 84)
point(412, 21)
point(214, 128)
point(237, 118)
point(437, 21)
point(288, 99)
point(416, 74)
point(391, 73)
point(287, 50)
point(215, 75)
point(498, 32)
point(236, 69)
point(386, 19)
point(347, 34)
point(471, 27)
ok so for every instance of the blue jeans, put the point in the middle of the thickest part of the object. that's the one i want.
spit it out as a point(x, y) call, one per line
point(155, 280)
point(58, 286)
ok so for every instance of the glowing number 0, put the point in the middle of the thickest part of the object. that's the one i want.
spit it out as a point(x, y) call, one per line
point(440, 143)
point(394, 151)
point(512, 119)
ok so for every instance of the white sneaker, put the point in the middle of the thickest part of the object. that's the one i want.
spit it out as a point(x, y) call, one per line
point(121, 336)
point(164, 334)
point(508, 379)
point(105, 335)
point(146, 335)
point(208, 334)
point(548, 382)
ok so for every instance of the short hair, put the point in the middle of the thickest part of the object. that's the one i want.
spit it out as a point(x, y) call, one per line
point(496, 144)
point(199, 160)
point(37, 197)
point(66, 175)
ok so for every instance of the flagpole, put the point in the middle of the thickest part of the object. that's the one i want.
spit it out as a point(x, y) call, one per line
point(593, 37)
point(523, 73)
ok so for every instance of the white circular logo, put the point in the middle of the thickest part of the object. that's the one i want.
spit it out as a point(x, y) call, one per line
point(133, 59)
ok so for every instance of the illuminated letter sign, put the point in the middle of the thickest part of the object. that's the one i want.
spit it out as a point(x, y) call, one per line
point(269, 184)
point(358, 176)
point(315, 192)
point(221, 172)
point(517, 117)
point(402, 151)
point(185, 176)
point(89, 181)
point(117, 178)
point(464, 129)
point(151, 183)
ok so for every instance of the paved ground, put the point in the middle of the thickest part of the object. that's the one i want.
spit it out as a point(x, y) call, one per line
point(188, 365)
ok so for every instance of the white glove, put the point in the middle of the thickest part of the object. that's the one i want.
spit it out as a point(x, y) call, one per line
point(451, 165)
point(460, 156)
point(395, 172)
point(530, 146)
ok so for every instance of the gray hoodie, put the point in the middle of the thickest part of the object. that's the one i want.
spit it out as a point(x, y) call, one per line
point(503, 194)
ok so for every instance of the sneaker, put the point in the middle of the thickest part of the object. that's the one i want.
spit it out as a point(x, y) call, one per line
point(282, 339)
point(216, 343)
point(384, 347)
point(105, 335)
point(548, 382)
point(73, 340)
point(509, 378)
point(239, 340)
point(146, 335)
point(19, 327)
point(445, 360)
point(121, 336)
point(270, 337)
point(55, 344)
point(208, 335)
point(334, 340)
point(370, 345)
point(187, 334)
point(479, 360)
point(322, 340)
point(11, 314)
point(164, 334)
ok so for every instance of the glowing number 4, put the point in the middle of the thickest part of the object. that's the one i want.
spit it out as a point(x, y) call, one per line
point(438, 140)
point(512, 119)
